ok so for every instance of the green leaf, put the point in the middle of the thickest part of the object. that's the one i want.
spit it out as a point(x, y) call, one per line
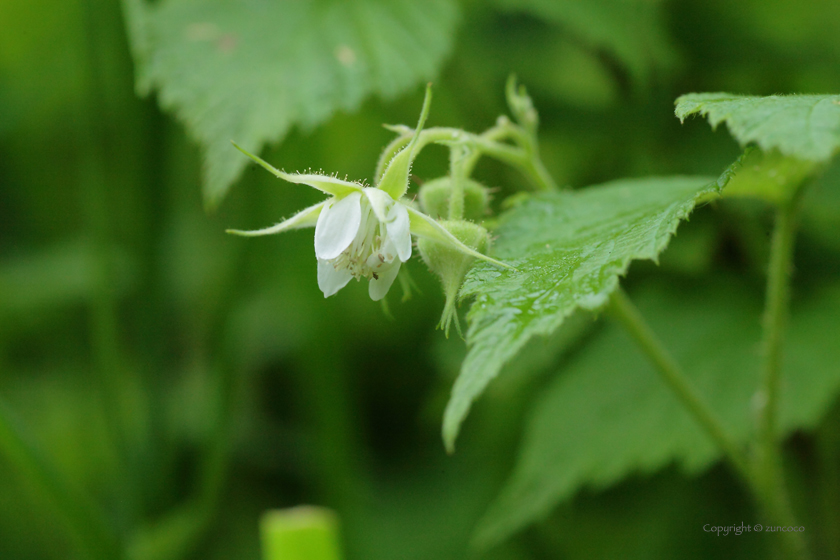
point(568, 249)
point(656, 518)
point(801, 126)
point(250, 71)
point(768, 175)
point(608, 414)
point(630, 30)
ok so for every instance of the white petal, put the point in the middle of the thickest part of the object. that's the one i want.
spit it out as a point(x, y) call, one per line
point(304, 218)
point(398, 227)
point(380, 202)
point(337, 226)
point(378, 287)
point(331, 280)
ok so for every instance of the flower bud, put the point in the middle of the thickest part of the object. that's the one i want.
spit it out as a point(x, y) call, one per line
point(452, 265)
point(435, 195)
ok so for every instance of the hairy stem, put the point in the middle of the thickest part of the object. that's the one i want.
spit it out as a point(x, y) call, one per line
point(524, 158)
point(457, 175)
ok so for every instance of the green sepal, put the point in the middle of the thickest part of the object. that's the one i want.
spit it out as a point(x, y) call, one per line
point(395, 179)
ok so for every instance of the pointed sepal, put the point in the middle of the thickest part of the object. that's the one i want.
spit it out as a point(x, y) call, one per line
point(324, 183)
point(305, 218)
point(394, 180)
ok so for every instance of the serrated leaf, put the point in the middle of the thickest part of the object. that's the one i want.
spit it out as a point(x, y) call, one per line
point(249, 71)
point(801, 126)
point(568, 249)
point(630, 30)
point(608, 414)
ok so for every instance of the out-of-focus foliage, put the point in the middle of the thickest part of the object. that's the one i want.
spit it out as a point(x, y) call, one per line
point(568, 250)
point(629, 30)
point(608, 414)
point(250, 71)
point(187, 381)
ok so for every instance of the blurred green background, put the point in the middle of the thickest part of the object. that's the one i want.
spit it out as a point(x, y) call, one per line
point(177, 381)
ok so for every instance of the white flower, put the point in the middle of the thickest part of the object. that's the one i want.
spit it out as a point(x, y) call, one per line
point(352, 240)
point(363, 232)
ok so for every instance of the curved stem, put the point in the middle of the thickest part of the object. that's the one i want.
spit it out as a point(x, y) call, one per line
point(673, 376)
point(524, 158)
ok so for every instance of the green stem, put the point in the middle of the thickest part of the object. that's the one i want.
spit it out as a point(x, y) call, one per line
point(673, 376)
point(457, 175)
point(525, 159)
point(504, 130)
point(768, 456)
point(88, 525)
point(775, 318)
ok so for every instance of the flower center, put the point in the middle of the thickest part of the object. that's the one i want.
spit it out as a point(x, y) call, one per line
point(371, 250)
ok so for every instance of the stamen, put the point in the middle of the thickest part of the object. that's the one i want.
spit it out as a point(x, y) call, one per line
point(365, 253)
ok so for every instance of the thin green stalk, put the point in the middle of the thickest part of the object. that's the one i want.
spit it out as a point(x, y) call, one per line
point(504, 130)
point(527, 161)
point(775, 319)
point(673, 376)
point(768, 456)
point(88, 525)
point(457, 175)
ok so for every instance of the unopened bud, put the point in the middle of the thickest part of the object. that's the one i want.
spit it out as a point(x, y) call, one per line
point(452, 265)
point(435, 195)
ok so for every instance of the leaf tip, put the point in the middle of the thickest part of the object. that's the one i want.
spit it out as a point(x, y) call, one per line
point(451, 427)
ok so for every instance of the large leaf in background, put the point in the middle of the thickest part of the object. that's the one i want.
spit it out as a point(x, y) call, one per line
point(250, 70)
point(569, 249)
point(630, 30)
point(802, 126)
point(608, 414)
